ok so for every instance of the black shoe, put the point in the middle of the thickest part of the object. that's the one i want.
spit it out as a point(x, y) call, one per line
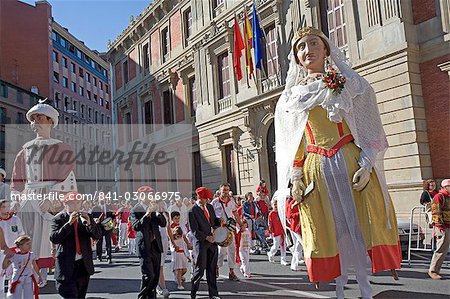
point(100, 259)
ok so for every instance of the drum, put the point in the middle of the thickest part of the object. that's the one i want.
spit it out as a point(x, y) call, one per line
point(223, 236)
point(108, 223)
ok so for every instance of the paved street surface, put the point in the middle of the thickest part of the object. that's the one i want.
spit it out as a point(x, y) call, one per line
point(122, 279)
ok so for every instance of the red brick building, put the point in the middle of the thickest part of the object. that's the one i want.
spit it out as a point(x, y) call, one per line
point(38, 54)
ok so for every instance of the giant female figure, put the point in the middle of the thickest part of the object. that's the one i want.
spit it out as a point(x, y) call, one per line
point(328, 131)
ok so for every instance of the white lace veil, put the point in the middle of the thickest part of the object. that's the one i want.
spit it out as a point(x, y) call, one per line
point(356, 104)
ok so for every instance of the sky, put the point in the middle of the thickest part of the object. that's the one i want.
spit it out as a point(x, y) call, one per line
point(95, 21)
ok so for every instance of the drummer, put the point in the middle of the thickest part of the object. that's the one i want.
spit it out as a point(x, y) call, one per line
point(104, 214)
point(202, 221)
point(226, 209)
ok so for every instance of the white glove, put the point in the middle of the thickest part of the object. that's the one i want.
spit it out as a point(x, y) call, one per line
point(361, 179)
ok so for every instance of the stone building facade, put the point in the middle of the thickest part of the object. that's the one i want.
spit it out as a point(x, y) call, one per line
point(401, 47)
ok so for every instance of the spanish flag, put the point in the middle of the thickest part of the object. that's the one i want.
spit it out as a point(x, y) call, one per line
point(248, 44)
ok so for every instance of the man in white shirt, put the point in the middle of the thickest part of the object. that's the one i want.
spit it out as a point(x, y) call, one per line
point(225, 207)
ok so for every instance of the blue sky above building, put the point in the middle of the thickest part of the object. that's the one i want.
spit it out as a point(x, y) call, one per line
point(95, 21)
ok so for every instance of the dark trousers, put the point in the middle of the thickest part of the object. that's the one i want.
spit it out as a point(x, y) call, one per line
point(150, 266)
point(77, 285)
point(99, 246)
point(206, 260)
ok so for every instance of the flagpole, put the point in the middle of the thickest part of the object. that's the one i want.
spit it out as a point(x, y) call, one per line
point(270, 52)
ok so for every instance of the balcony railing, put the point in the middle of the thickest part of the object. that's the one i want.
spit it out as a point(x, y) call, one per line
point(224, 104)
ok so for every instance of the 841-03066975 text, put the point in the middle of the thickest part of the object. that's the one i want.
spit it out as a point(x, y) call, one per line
point(114, 196)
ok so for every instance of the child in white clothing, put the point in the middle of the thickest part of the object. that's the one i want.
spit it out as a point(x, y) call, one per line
point(180, 260)
point(23, 283)
point(12, 229)
point(244, 249)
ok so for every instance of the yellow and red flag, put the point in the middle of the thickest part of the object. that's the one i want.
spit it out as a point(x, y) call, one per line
point(248, 44)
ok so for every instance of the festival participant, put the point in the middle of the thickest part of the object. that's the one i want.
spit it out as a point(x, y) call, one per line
point(440, 209)
point(43, 167)
point(293, 221)
point(12, 229)
point(162, 289)
point(102, 212)
point(278, 236)
point(181, 208)
point(244, 249)
point(72, 231)
point(5, 192)
point(225, 208)
point(328, 132)
point(23, 283)
point(180, 259)
point(251, 212)
point(202, 222)
point(146, 222)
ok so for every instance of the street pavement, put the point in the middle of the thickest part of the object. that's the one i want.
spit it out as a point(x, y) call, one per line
point(122, 279)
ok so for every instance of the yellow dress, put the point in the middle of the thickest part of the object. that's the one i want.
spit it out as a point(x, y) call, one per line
point(324, 143)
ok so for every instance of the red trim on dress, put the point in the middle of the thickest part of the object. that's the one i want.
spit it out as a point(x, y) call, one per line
point(332, 151)
point(311, 136)
point(385, 257)
point(340, 129)
point(298, 163)
point(324, 268)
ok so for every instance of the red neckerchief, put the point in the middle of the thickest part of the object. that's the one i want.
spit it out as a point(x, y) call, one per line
point(173, 225)
point(7, 218)
point(225, 202)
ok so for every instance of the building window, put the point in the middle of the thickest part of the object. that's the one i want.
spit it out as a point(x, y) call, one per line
point(336, 22)
point(271, 64)
point(125, 71)
point(192, 98)
point(74, 105)
point(106, 88)
point(55, 77)
point(19, 96)
point(3, 115)
point(64, 62)
point(82, 111)
point(72, 67)
point(95, 98)
point(88, 93)
point(20, 119)
point(4, 90)
point(187, 25)
point(80, 72)
point(101, 101)
point(96, 117)
point(73, 86)
point(65, 82)
point(57, 99)
point(63, 42)
point(87, 77)
point(145, 57)
point(107, 105)
point(66, 103)
point(94, 80)
point(54, 36)
point(55, 56)
point(101, 85)
point(89, 112)
point(128, 125)
point(218, 3)
point(168, 107)
point(81, 91)
point(165, 44)
point(224, 75)
point(148, 116)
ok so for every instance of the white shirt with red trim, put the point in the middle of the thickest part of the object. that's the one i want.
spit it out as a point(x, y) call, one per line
point(18, 262)
point(229, 206)
point(12, 229)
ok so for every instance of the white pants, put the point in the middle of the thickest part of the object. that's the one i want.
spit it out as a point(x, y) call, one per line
point(123, 234)
point(230, 252)
point(23, 290)
point(277, 243)
point(297, 253)
point(132, 246)
point(245, 260)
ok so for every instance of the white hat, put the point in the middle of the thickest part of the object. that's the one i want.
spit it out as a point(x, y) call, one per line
point(45, 109)
point(2, 171)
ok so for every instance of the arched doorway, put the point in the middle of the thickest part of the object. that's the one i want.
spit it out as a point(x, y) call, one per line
point(271, 158)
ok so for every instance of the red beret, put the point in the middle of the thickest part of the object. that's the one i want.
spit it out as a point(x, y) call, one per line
point(203, 192)
point(71, 196)
point(145, 189)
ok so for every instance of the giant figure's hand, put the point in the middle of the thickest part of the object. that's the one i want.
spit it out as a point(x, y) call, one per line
point(297, 190)
point(361, 179)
